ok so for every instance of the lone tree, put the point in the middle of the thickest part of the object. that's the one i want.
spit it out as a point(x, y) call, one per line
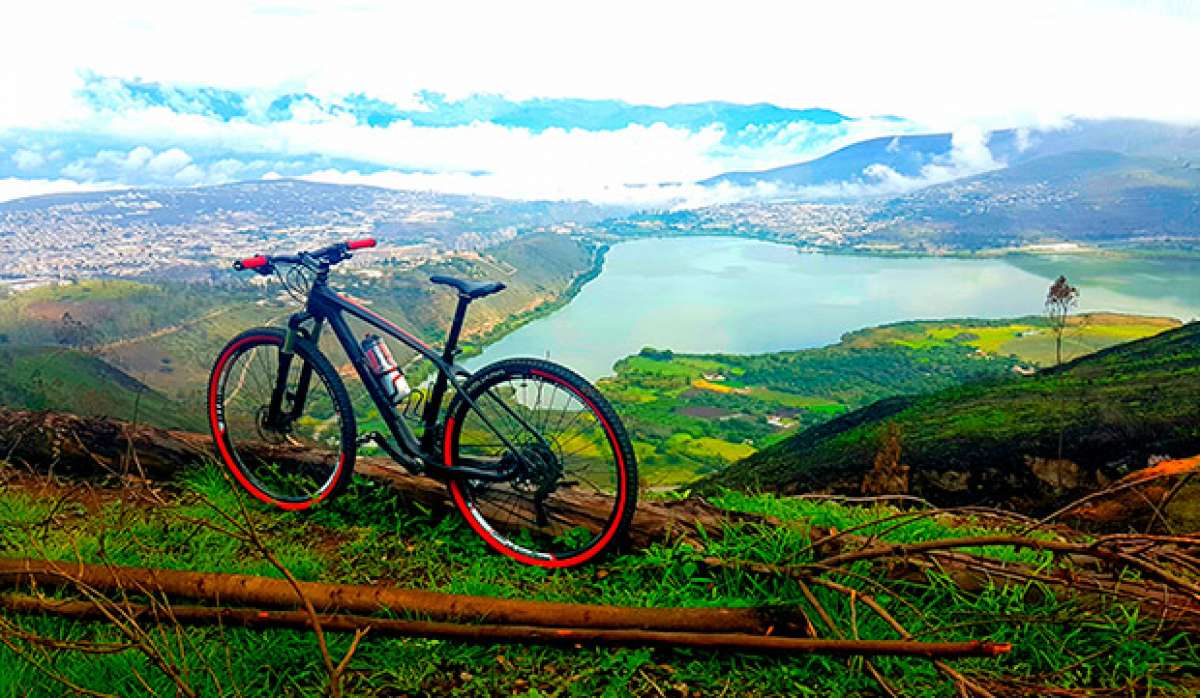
point(1060, 301)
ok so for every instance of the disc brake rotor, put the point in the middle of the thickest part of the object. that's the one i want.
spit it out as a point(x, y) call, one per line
point(537, 473)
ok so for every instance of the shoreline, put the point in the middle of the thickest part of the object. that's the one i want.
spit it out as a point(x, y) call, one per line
point(603, 245)
point(475, 346)
point(1033, 250)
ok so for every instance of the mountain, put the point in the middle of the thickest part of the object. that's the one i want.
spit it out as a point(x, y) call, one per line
point(904, 154)
point(1024, 442)
point(907, 155)
point(1090, 196)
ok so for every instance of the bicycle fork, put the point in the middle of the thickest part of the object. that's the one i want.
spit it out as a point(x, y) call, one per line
point(276, 419)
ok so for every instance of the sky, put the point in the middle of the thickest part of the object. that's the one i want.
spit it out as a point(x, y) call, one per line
point(551, 99)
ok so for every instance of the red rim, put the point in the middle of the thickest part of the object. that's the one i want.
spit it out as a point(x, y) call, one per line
point(550, 561)
point(220, 437)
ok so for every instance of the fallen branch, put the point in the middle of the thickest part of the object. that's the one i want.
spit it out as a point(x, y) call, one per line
point(249, 590)
point(522, 634)
point(59, 442)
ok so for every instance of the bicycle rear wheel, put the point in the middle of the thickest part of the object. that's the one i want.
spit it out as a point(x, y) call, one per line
point(575, 485)
point(297, 456)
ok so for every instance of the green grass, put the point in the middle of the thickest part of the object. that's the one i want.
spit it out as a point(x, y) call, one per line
point(1108, 413)
point(370, 536)
point(71, 380)
point(744, 403)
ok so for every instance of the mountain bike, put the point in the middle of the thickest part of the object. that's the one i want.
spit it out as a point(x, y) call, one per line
point(535, 458)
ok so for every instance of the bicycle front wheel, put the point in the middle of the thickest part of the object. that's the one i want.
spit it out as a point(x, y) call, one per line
point(292, 454)
point(574, 487)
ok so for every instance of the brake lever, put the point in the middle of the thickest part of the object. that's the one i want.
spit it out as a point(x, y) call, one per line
point(310, 262)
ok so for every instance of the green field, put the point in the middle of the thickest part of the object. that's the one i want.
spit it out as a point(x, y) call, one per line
point(694, 414)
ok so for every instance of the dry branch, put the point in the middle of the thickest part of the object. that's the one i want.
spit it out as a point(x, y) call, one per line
point(265, 592)
point(66, 443)
point(523, 634)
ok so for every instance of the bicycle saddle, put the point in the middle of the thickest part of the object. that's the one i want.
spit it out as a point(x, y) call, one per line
point(468, 288)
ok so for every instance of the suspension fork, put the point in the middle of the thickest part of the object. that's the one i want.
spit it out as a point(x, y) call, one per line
point(287, 353)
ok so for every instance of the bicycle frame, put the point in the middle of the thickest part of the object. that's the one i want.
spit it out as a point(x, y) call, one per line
point(327, 305)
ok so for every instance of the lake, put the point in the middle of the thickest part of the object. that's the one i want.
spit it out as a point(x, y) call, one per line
point(729, 295)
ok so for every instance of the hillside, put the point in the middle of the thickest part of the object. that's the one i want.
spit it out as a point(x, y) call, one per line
point(164, 335)
point(907, 154)
point(1093, 196)
point(1018, 442)
point(762, 561)
point(692, 414)
point(67, 379)
point(904, 154)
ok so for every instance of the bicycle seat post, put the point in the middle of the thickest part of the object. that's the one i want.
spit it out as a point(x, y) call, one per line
point(433, 404)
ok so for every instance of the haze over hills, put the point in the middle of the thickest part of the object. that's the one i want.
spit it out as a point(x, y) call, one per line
point(1110, 182)
point(1085, 196)
point(930, 158)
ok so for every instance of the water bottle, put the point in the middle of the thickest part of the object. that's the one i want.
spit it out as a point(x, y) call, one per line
point(379, 360)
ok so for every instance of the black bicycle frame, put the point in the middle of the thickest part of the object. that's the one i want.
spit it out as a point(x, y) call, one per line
point(326, 305)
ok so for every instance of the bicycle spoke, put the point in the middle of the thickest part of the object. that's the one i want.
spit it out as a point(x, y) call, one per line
point(559, 453)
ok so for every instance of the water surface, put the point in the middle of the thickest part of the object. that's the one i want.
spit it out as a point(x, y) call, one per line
point(711, 295)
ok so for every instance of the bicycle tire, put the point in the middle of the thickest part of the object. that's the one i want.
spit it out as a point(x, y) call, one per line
point(603, 428)
point(245, 460)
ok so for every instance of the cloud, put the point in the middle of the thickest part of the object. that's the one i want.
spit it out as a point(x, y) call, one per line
point(168, 163)
point(543, 163)
point(197, 116)
point(143, 166)
point(28, 159)
point(1090, 59)
point(16, 188)
point(968, 155)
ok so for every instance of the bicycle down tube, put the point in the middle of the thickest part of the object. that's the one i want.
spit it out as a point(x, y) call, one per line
point(325, 304)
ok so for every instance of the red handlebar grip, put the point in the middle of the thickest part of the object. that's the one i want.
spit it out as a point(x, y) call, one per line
point(254, 262)
point(359, 244)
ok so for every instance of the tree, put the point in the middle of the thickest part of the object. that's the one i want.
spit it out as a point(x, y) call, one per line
point(1060, 301)
point(889, 476)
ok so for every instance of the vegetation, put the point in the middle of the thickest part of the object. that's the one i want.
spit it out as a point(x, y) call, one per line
point(693, 414)
point(75, 381)
point(161, 338)
point(370, 536)
point(1021, 442)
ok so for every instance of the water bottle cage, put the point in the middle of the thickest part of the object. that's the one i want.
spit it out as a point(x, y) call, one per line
point(411, 407)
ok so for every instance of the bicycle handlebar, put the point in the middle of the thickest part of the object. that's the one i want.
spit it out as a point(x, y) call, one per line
point(337, 252)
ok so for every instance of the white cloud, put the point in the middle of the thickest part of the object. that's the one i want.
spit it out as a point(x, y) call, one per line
point(168, 162)
point(142, 165)
point(958, 61)
point(969, 155)
point(946, 64)
point(16, 188)
point(26, 159)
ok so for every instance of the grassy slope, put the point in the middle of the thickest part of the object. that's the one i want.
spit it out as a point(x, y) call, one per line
point(368, 536)
point(684, 424)
point(70, 380)
point(1107, 412)
point(167, 336)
